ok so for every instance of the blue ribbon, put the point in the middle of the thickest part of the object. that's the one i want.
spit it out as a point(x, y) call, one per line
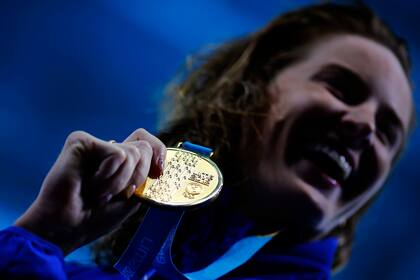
point(204, 151)
point(140, 254)
point(149, 252)
point(152, 241)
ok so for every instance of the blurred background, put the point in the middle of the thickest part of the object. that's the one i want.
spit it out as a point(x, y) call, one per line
point(101, 66)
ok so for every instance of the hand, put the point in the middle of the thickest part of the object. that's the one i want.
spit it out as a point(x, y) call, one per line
point(85, 194)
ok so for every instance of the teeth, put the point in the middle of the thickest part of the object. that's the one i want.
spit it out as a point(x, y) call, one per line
point(340, 160)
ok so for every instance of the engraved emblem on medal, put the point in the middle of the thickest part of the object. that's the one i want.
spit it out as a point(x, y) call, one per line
point(188, 179)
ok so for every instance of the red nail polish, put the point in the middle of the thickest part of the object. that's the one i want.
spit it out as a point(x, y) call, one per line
point(161, 165)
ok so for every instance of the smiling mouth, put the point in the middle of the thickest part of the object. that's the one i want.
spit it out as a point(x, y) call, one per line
point(323, 164)
point(328, 159)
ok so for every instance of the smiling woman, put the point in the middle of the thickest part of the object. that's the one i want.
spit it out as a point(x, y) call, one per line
point(323, 97)
point(339, 129)
point(306, 119)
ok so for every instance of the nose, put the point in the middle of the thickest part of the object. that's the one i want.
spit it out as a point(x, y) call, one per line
point(358, 126)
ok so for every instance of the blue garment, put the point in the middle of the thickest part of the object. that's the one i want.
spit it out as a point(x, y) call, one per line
point(26, 256)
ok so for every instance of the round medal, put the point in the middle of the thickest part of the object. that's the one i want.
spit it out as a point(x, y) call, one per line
point(188, 179)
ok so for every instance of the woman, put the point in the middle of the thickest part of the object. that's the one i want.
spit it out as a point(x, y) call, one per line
point(306, 118)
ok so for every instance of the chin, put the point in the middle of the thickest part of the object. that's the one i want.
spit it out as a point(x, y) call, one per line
point(311, 209)
point(292, 204)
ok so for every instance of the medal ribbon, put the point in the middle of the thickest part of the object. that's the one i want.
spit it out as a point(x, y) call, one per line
point(149, 251)
point(151, 235)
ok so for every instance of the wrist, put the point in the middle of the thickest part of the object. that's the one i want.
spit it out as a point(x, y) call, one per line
point(48, 230)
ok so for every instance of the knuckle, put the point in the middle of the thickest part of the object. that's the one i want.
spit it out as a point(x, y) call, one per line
point(120, 154)
point(161, 144)
point(145, 147)
point(76, 137)
point(162, 147)
point(158, 144)
point(141, 173)
point(133, 151)
point(141, 131)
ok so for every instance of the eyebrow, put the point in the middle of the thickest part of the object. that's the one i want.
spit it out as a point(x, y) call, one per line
point(358, 84)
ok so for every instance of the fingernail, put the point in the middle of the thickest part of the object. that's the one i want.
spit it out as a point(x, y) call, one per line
point(161, 165)
point(131, 190)
point(162, 160)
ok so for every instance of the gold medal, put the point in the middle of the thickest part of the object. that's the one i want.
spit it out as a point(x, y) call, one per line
point(188, 179)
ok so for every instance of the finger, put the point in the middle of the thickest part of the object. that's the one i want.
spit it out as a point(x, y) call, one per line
point(84, 154)
point(138, 157)
point(83, 144)
point(159, 150)
point(142, 168)
point(88, 160)
point(109, 166)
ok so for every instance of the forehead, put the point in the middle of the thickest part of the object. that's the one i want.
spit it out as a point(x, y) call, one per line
point(374, 63)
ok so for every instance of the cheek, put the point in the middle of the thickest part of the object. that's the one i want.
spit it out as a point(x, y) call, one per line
point(374, 169)
point(289, 102)
point(350, 205)
point(383, 162)
point(293, 102)
point(285, 97)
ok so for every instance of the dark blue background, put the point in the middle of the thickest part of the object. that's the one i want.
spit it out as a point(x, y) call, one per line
point(101, 66)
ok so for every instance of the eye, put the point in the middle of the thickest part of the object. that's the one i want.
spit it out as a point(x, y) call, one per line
point(339, 90)
point(343, 84)
point(388, 130)
point(387, 135)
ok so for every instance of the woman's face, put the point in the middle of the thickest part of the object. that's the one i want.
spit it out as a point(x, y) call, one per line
point(338, 118)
